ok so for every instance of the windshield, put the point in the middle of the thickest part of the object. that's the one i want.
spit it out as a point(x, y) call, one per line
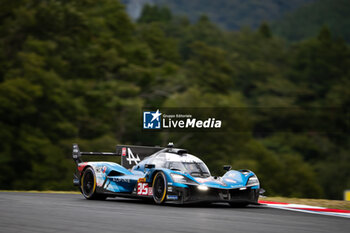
point(193, 168)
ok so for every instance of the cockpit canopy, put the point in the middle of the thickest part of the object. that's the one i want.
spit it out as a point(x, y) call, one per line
point(184, 163)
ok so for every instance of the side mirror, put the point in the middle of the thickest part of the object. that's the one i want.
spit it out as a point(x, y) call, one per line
point(227, 167)
point(150, 166)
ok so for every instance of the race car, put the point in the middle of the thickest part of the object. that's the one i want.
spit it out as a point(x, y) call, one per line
point(164, 174)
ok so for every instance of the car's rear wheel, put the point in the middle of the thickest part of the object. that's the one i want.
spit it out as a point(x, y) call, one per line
point(88, 185)
point(159, 188)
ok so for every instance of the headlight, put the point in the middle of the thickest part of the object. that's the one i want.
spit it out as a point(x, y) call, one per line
point(177, 178)
point(202, 187)
point(253, 181)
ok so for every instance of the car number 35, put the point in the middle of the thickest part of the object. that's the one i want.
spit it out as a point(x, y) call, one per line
point(143, 189)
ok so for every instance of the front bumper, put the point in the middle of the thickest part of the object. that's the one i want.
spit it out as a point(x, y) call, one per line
point(193, 195)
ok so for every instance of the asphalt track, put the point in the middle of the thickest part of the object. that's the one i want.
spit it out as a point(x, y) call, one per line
point(44, 212)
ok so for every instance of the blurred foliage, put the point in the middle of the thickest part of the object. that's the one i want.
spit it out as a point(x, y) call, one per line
point(305, 21)
point(81, 71)
point(233, 14)
point(294, 20)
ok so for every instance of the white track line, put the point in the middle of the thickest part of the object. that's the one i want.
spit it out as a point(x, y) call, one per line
point(299, 208)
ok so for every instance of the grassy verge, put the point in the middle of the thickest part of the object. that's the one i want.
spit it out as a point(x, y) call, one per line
point(333, 204)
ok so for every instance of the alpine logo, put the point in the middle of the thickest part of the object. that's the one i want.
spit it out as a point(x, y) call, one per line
point(131, 157)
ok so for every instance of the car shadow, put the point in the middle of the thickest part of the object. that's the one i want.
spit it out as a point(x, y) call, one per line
point(192, 205)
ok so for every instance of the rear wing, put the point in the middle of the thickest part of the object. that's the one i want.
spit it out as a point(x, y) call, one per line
point(130, 155)
point(76, 154)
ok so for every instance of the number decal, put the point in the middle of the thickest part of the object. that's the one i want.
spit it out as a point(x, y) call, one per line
point(139, 188)
point(143, 189)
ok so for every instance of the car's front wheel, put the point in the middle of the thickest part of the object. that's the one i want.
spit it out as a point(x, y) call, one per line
point(159, 188)
point(88, 185)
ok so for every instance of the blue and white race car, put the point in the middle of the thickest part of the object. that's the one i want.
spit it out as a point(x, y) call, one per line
point(164, 174)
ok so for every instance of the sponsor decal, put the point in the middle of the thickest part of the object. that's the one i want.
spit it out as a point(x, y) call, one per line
point(144, 190)
point(172, 197)
point(124, 151)
point(141, 180)
point(101, 169)
point(118, 179)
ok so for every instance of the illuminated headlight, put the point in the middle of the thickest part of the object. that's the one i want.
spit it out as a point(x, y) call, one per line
point(253, 181)
point(203, 187)
point(177, 178)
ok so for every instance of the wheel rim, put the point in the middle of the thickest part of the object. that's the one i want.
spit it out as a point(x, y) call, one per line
point(159, 188)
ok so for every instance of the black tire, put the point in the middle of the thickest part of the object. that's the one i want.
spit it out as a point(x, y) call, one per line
point(159, 187)
point(238, 204)
point(88, 185)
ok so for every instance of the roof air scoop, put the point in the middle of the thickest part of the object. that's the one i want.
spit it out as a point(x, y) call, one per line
point(181, 151)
